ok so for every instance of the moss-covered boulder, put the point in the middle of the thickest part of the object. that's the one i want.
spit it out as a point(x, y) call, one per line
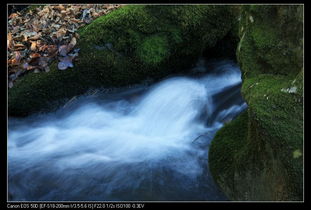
point(271, 40)
point(126, 46)
point(259, 155)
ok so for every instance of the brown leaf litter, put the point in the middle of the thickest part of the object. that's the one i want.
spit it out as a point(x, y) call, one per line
point(39, 36)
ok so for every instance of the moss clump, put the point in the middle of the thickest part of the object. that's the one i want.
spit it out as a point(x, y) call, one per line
point(153, 50)
point(126, 46)
point(260, 157)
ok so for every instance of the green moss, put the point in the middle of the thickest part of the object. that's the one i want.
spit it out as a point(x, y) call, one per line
point(264, 37)
point(154, 49)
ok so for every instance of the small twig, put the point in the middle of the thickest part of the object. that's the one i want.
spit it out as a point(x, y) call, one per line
point(93, 92)
point(198, 137)
point(73, 98)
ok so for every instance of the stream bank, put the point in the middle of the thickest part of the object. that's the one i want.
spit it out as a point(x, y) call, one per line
point(259, 156)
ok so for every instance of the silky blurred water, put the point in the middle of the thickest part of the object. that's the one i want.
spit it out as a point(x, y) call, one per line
point(143, 143)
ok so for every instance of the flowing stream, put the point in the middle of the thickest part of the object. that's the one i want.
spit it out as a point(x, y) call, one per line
point(147, 142)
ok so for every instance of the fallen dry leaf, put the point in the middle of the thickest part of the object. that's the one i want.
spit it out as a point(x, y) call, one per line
point(35, 55)
point(60, 7)
point(62, 66)
point(63, 50)
point(72, 44)
point(33, 46)
point(36, 37)
point(65, 62)
point(45, 10)
point(52, 49)
point(63, 13)
point(30, 67)
point(12, 62)
point(13, 15)
point(10, 84)
point(43, 62)
point(34, 61)
point(76, 20)
point(35, 26)
point(19, 45)
point(61, 32)
point(16, 60)
point(29, 33)
point(18, 55)
point(10, 40)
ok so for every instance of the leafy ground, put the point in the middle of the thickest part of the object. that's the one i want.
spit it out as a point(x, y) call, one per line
point(41, 34)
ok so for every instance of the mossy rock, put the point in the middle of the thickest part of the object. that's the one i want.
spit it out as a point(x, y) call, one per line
point(259, 155)
point(128, 45)
point(271, 39)
point(224, 148)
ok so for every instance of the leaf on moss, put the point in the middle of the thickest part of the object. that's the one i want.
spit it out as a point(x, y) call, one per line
point(297, 153)
point(63, 50)
point(10, 84)
point(65, 62)
point(72, 43)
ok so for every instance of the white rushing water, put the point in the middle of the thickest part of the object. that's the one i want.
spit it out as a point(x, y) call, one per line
point(147, 146)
